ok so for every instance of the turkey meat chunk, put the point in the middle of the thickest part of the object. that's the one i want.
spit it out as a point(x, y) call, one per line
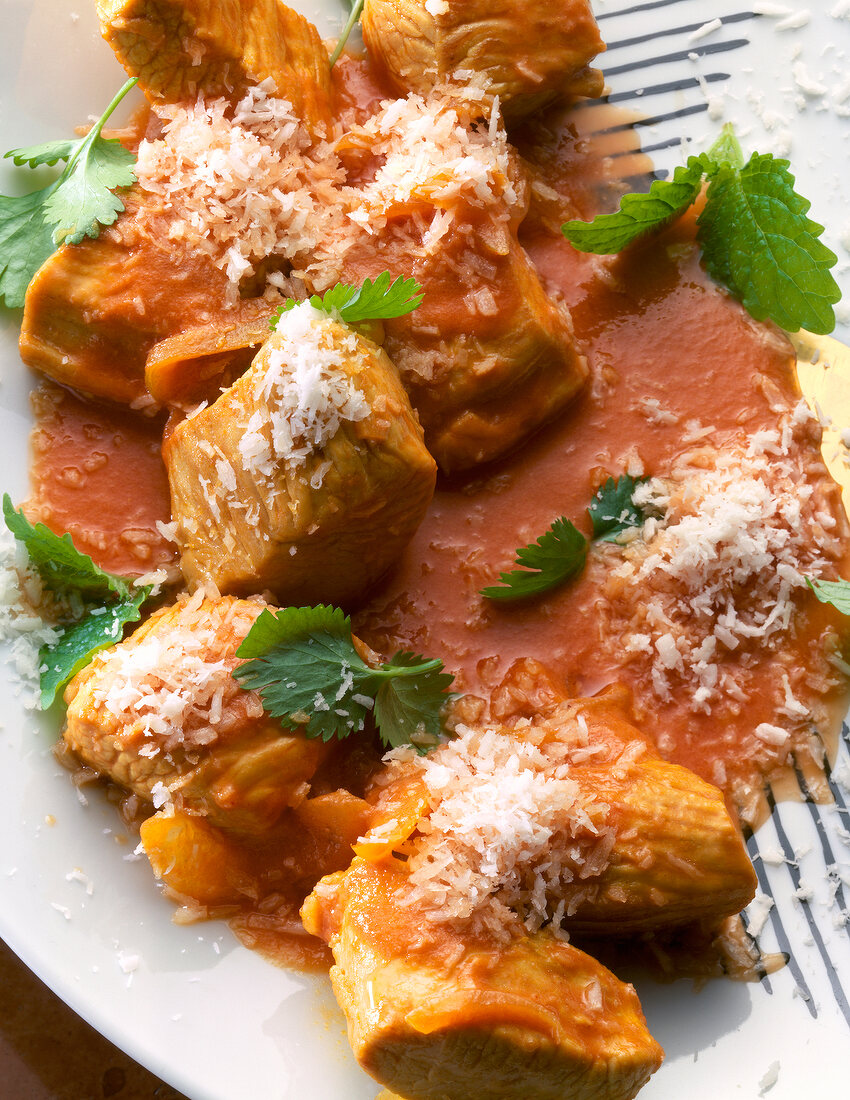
point(95, 309)
point(527, 53)
point(161, 714)
point(308, 476)
point(179, 48)
point(435, 1015)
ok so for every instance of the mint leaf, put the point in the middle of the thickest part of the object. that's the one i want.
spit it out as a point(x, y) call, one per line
point(304, 664)
point(25, 242)
point(755, 237)
point(757, 241)
point(836, 593)
point(373, 301)
point(726, 150)
point(612, 509)
point(74, 206)
point(639, 213)
point(99, 629)
point(106, 602)
point(60, 564)
point(558, 554)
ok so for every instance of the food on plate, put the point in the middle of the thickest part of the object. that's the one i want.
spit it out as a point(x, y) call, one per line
point(178, 48)
point(324, 282)
point(307, 476)
point(419, 1000)
point(526, 54)
point(161, 714)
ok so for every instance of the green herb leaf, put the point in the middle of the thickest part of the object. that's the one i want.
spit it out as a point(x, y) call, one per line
point(60, 564)
point(408, 705)
point(639, 213)
point(25, 242)
point(84, 202)
point(106, 602)
point(561, 552)
point(558, 554)
point(757, 241)
point(373, 301)
point(48, 152)
point(303, 662)
point(755, 236)
point(836, 593)
point(99, 629)
point(613, 511)
point(74, 206)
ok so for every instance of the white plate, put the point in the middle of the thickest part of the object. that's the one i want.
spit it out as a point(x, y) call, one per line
point(214, 1019)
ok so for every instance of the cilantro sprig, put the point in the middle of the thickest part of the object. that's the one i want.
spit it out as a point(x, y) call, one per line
point(373, 301)
point(100, 603)
point(304, 664)
point(561, 552)
point(836, 593)
point(755, 236)
point(353, 17)
point(70, 208)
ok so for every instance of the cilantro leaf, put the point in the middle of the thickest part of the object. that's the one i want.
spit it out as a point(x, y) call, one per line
point(353, 17)
point(99, 629)
point(836, 593)
point(639, 213)
point(613, 510)
point(48, 152)
point(411, 701)
point(373, 301)
point(558, 554)
point(755, 236)
point(105, 601)
point(74, 206)
point(304, 664)
point(84, 201)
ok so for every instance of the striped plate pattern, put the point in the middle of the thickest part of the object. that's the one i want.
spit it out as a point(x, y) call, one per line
point(685, 67)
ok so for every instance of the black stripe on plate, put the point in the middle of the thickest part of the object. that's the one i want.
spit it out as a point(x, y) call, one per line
point(826, 847)
point(680, 55)
point(651, 6)
point(775, 919)
point(654, 120)
point(668, 143)
point(794, 872)
point(664, 89)
point(672, 32)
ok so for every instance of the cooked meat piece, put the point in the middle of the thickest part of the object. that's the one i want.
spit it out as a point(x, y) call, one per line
point(525, 52)
point(95, 309)
point(630, 841)
point(308, 476)
point(178, 48)
point(435, 1016)
point(161, 714)
point(182, 368)
point(486, 360)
